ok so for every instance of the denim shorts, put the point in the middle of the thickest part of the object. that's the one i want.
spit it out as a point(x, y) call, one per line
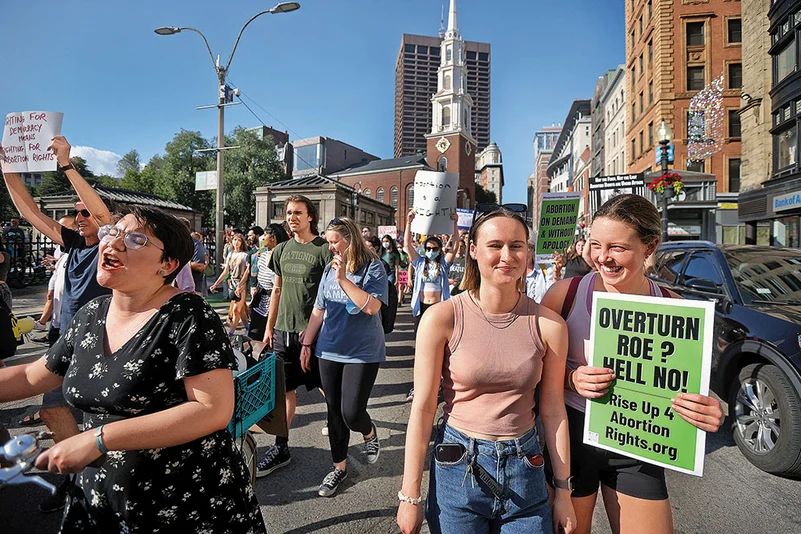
point(459, 502)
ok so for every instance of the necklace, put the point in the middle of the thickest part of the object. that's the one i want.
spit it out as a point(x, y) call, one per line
point(504, 323)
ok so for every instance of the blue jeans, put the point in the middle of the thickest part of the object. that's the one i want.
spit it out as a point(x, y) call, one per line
point(458, 502)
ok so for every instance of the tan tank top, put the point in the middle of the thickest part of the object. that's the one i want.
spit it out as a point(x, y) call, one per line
point(493, 363)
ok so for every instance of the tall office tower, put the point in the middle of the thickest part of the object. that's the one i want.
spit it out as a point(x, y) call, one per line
point(416, 82)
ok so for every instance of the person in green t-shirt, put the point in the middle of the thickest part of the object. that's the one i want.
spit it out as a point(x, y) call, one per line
point(298, 265)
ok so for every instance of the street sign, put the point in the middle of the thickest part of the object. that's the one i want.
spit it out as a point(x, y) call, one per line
point(205, 180)
point(658, 151)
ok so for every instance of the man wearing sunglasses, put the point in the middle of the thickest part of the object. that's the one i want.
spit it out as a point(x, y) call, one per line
point(80, 282)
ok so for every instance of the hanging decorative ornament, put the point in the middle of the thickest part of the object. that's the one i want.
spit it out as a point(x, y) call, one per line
point(705, 121)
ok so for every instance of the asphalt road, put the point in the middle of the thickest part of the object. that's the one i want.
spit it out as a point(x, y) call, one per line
point(731, 497)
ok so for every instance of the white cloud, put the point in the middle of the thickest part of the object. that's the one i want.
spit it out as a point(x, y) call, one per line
point(99, 161)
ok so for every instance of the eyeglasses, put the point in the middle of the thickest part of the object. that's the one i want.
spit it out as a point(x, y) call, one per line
point(132, 240)
point(485, 209)
point(84, 212)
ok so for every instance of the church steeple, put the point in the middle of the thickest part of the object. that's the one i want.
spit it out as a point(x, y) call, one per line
point(452, 107)
point(451, 147)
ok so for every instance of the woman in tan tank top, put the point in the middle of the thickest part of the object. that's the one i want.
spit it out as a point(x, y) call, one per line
point(492, 346)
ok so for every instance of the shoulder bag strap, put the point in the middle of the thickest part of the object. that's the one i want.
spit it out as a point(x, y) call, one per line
point(567, 304)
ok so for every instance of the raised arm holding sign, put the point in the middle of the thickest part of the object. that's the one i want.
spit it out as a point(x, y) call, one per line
point(434, 201)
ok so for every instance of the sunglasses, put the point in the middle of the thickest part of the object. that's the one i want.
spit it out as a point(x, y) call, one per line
point(487, 208)
point(84, 212)
point(432, 249)
point(132, 240)
point(335, 222)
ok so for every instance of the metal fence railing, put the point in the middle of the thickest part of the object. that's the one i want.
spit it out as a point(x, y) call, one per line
point(28, 262)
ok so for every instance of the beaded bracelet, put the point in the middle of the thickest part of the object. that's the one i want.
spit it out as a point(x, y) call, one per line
point(410, 500)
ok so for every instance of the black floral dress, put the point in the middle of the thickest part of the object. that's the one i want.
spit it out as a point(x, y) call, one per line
point(202, 486)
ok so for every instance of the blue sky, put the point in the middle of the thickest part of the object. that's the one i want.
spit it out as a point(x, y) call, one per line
point(326, 69)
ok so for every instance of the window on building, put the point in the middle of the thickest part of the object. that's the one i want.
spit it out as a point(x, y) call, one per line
point(448, 54)
point(633, 149)
point(393, 197)
point(696, 129)
point(650, 10)
point(642, 65)
point(735, 130)
point(446, 82)
point(734, 175)
point(786, 144)
point(633, 111)
point(650, 52)
point(695, 78)
point(650, 134)
point(446, 118)
point(697, 166)
point(379, 194)
point(734, 30)
point(695, 34)
point(278, 210)
point(442, 164)
point(735, 75)
point(650, 92)
point(308, 157)
point(409, 48)
point(367, 193)
point(785, 61)
point(409, 197)
point(640, 24)
point(642, 103)
point(642, 143)
point(632, 40)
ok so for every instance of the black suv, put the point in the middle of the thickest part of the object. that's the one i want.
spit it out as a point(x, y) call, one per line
point(756, 359)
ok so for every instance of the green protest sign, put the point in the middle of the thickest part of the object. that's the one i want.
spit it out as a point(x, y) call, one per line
point(557, 224)
point(657, 348)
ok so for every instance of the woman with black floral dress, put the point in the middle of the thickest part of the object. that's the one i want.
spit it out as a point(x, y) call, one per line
point(150, 367)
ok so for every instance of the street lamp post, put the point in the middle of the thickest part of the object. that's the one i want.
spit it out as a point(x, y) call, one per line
point(665, 135)
point(222, 72)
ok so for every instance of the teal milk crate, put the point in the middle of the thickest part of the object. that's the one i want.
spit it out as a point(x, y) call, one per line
point(254, 395)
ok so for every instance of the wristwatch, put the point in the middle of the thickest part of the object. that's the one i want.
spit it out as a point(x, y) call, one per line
point(66, 167)
point(563, 483)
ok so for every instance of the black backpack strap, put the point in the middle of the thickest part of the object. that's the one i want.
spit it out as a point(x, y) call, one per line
point(665, 292)
point(567, 304)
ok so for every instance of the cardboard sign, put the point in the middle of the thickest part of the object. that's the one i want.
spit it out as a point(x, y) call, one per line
point(391, 231)
point(465, 218)
point(657, 347)
point(403, 276)
point(557, 224)
point(26, 136)
point(434, 201)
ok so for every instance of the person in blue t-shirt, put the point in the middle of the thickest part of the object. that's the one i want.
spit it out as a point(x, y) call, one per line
point(350, 345)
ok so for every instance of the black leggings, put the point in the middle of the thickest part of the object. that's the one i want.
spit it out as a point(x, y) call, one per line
point(347, 389)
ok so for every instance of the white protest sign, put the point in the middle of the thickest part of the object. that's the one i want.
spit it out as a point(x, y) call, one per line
point(391, 231)
point(434, 201)
point(26, 136)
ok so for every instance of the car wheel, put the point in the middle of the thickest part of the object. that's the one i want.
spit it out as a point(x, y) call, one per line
point(766, 419)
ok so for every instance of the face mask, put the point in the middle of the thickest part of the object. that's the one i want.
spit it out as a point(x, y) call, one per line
point(386, 245)
point(432, 254)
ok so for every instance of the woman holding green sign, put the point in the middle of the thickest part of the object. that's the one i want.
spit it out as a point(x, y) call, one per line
point(626, 232)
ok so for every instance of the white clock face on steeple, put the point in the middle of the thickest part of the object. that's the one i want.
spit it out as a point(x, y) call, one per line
point(443, 144)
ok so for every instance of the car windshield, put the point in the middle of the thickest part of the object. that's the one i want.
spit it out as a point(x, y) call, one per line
point(767, 277)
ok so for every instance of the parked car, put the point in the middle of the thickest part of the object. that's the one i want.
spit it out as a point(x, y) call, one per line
point(756, 359)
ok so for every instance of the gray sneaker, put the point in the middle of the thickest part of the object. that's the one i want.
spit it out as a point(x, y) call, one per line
point(331, 483)
point(372, 447)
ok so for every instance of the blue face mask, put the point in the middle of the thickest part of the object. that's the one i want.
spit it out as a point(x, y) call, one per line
point(432, 254)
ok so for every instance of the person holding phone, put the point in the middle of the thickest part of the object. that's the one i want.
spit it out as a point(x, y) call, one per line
point(492, 347)
point(350, 345)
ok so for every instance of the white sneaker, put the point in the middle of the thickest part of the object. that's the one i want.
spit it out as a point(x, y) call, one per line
point(39, 326)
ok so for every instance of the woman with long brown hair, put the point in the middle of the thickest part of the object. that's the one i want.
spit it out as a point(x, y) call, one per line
point(491, 346)
point(350, 345)
point(238, 268)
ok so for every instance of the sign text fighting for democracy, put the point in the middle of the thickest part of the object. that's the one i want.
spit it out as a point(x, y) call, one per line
point(26, 136)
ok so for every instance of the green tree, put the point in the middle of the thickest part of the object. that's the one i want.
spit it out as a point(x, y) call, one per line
point(174, 175)
point(128, 163)
point(485, 197)
point(251, 165)
point(57, 182)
